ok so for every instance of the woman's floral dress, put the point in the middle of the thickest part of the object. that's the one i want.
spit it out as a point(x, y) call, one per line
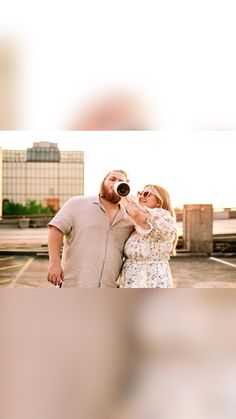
point(148, 252)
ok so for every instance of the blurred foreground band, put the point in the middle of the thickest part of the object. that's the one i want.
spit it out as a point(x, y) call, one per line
point(134, 354)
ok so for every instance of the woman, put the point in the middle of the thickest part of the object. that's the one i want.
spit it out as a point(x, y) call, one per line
point(154, 239)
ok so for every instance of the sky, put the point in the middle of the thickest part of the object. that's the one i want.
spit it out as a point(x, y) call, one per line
point(178, 57)
point(196, 167)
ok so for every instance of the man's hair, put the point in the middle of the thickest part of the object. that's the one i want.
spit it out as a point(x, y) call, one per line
point(119, 171)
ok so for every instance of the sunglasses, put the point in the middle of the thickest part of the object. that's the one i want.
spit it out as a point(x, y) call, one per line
point(144, 194)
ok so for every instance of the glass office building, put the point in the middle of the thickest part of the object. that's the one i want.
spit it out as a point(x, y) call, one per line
point(43, 173)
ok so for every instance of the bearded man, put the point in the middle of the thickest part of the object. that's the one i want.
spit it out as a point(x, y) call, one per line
point(95, 230)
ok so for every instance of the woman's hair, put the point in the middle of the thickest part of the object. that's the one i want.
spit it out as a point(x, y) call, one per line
point(165, 203)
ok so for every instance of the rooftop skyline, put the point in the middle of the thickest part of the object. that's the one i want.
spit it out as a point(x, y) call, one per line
point(195, 167)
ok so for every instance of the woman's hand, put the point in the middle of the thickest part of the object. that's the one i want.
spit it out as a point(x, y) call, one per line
point(137, 212)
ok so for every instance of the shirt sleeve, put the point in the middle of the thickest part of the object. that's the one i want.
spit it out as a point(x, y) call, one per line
point(161, 224)
point(63, 220)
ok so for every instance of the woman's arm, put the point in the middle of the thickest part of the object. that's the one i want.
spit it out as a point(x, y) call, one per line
point(138, 213)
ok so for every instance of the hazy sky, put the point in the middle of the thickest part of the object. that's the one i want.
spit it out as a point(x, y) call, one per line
point(196, 167)
point(177, 55)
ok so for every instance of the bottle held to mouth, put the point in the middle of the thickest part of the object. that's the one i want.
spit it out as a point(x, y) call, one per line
point(122, 189)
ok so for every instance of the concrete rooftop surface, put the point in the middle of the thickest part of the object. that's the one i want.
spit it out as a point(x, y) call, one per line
point(28, 270)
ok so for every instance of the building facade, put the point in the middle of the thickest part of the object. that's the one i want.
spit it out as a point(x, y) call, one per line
point(42, 173)
point(0, 182)
point(11, 95)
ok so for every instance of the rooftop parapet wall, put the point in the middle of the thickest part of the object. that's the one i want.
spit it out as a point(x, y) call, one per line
point(218, 214)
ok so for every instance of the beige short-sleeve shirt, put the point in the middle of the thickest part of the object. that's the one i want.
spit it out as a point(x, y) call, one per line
point(93, 249)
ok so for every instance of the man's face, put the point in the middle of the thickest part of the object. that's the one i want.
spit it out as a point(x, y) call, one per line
point(107, 187)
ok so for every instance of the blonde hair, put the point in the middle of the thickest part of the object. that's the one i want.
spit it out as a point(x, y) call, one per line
point(165, 203)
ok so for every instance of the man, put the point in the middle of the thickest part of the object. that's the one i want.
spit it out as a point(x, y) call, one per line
point(95, 230)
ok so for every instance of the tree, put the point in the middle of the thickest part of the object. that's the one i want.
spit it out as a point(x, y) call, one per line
point(31, 207)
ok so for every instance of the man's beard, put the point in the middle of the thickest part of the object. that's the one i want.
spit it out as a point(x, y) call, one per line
point(109, 196)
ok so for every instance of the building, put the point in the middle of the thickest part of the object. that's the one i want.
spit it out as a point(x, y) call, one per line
point(0, 182)
point(42, 173)
point(11, 94)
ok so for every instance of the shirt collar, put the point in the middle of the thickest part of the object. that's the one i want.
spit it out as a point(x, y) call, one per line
point(97, 200)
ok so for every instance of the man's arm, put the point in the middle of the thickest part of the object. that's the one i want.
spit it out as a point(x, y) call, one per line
point(55, 240)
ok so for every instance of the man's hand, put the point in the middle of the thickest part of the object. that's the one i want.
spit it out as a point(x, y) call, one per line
point(55, 273)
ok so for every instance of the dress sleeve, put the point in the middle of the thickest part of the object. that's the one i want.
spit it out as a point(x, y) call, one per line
point(161, 224)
